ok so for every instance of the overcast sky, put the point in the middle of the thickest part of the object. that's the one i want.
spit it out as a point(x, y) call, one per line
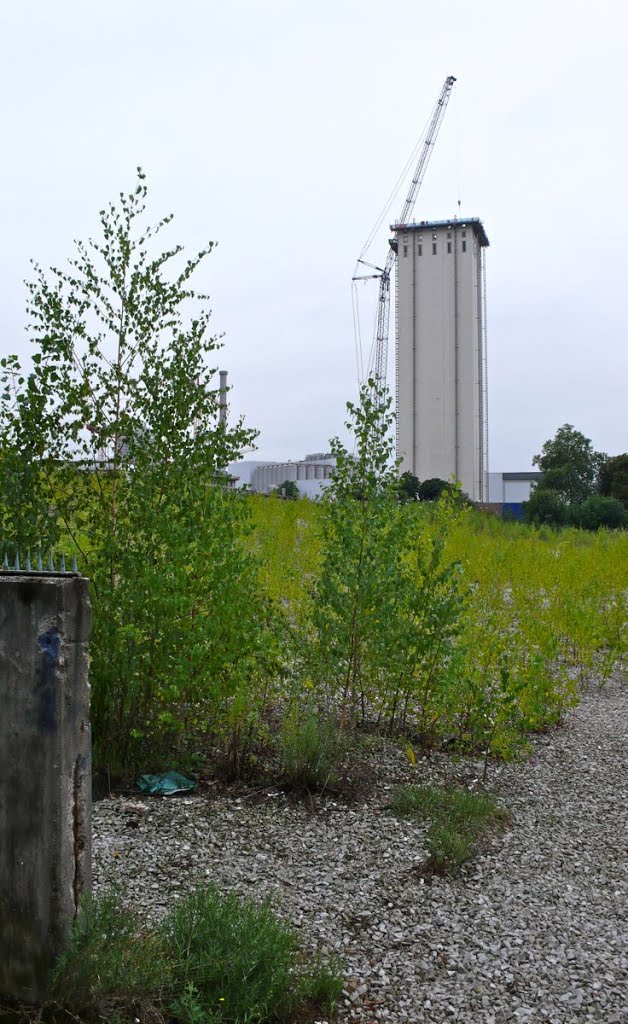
point(277, 128)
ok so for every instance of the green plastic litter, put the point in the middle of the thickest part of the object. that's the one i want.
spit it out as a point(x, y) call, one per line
point(165, 784)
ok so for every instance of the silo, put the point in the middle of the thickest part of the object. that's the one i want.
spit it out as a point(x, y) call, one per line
point(441, 352)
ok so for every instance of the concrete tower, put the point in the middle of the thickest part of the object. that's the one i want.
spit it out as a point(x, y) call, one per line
point(441, 352)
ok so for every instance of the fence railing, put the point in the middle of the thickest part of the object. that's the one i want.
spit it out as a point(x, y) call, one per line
point(52, 564)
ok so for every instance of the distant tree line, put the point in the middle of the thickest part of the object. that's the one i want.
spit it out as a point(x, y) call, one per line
point(410, 488)
point(579, 487)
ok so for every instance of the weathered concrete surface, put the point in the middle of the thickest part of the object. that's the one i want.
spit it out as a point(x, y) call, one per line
point(45, 773)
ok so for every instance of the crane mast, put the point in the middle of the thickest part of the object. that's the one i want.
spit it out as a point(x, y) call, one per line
point(379, 359)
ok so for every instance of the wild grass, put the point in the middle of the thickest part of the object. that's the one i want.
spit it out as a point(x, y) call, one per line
point(458, 820)
point(309, 748)
point(110, 958)
point(214, 959)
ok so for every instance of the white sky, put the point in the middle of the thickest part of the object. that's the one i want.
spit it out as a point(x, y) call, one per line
point(278, 128)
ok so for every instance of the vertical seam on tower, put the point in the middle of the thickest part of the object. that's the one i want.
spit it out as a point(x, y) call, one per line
point(480, 462)
point(414, 359)
point(398, 407)
point(484, 380)
point(456, 367)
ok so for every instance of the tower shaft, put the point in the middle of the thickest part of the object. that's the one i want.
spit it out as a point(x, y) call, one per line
point(440, 348)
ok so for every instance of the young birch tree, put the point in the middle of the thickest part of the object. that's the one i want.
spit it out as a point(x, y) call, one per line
point(112, 445)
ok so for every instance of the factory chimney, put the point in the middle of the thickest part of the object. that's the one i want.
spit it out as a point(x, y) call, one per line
point(222, 402)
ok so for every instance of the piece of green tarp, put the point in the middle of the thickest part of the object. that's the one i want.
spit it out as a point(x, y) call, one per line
point(165, 784)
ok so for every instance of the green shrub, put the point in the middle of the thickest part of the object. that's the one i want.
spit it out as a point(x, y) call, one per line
point(546, 507)
point(235, 958)
point(110, 957)
point(288, 489)
point(408, 487)
point(214, 958)
point(599, 511)
point(458, 819)
point(433, 489)
point(418, 657)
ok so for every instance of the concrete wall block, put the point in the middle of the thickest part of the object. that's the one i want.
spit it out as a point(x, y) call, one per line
point(45, 773)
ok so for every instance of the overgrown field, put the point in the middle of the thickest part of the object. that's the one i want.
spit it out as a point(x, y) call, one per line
point(277, 628)
point(488, 629)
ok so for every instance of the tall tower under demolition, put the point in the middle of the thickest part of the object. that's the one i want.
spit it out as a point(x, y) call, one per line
point(441, 352)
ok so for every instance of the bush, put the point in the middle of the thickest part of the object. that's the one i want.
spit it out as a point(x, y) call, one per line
point(409, 487)
point(419, 656)
point(233, 957)
point(110, 957)
point(546, 507)
point(598, 511)
point(214, 958)
point(433, 489)
point(360, 551)
point(309, 747)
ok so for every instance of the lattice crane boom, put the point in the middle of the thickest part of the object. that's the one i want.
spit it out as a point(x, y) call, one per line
point(379, 358)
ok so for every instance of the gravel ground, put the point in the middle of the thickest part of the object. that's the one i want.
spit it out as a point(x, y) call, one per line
point(534, 929)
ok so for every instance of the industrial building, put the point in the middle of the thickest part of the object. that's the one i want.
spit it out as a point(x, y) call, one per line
point(441, 352)
point(311, 475)
point(512, 488)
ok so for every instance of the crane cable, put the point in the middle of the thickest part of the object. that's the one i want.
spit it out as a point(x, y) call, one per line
point(399, 182)
point(457, 151)
point(357, 332)
point(391, 198)
point(393, 195)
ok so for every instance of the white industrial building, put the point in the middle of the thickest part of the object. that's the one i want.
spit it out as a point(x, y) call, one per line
point(511, 488)
point(441, 352)
point(311, 475)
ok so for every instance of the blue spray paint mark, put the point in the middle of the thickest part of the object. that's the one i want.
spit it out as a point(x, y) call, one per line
point(50, 644)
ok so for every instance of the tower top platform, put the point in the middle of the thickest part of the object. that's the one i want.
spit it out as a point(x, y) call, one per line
point(456, 223)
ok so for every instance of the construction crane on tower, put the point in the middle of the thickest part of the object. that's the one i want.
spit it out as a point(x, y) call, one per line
point(379, 352)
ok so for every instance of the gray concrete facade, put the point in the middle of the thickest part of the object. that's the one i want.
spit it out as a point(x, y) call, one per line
point(45, 773)
point(441, 353)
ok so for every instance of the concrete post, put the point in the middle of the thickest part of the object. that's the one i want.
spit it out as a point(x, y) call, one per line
point(45, 772)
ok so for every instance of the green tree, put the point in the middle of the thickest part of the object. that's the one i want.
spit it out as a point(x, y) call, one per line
point(569, 464)
point(288, 489)
point(361, 554)
point(409, 487)
point(113, 446)
point(433, 489)
point(613, 479)
point(546, 506)
point(420, 656)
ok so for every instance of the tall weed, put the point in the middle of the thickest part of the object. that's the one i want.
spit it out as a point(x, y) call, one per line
point(310, 746)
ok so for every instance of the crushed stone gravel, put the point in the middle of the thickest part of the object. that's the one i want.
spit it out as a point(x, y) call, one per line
point(533, 929)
